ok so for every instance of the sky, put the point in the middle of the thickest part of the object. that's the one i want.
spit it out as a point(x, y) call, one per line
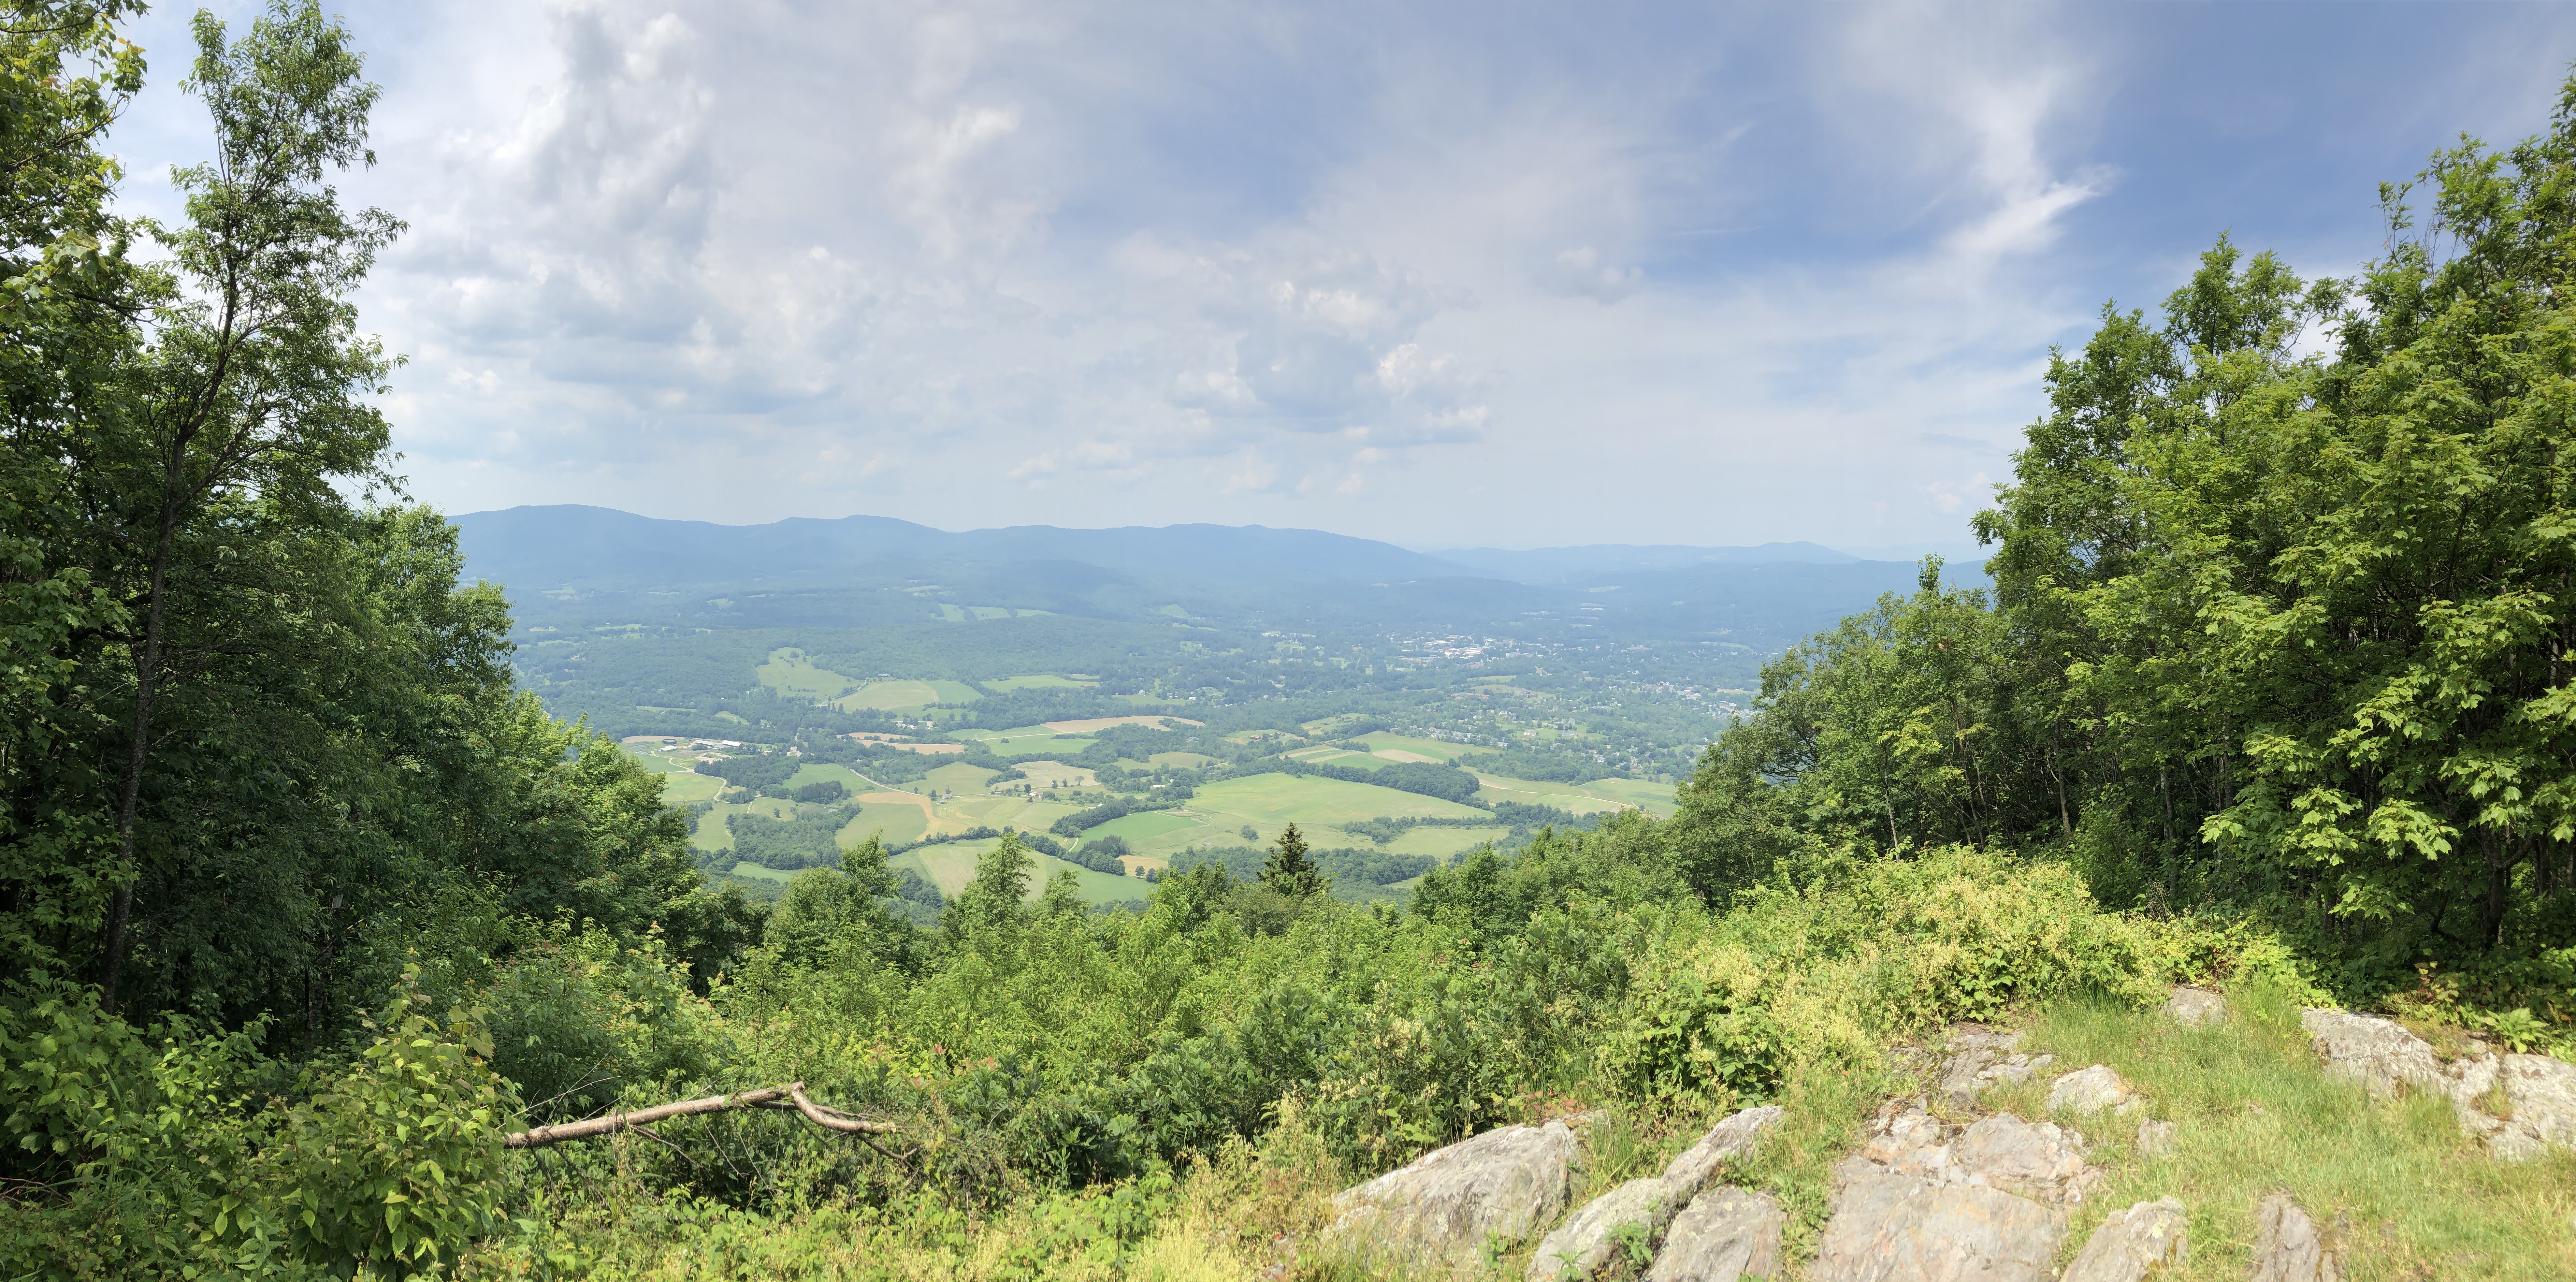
point(1448, 275)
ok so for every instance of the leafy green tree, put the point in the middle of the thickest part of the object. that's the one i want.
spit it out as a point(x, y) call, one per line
point(1289, 871)
point(997, 898)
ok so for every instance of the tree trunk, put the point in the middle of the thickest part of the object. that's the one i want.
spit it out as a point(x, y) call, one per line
point(147, 668)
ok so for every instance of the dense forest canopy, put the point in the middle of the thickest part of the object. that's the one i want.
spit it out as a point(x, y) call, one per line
point(304, 905)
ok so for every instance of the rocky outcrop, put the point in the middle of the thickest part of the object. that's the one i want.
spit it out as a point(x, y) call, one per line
point(1590, 1236)
point(2519, 1104)
point(2088, 1091)
point(2195, 1006)
point(1723, 1235)
point(2287, 1247)
point(1918, 1202)
point(1982, 1058)
point(1437, 1213)
point(2135, 1244)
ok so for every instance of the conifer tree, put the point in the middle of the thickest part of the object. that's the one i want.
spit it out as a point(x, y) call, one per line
point(1289, 871)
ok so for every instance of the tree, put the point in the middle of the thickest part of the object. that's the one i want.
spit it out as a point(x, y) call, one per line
point(244, 410)
point(1288, 870)
point(997, 897)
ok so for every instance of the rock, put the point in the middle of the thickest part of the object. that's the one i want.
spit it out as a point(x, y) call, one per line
point(2088, 1091)
point(1914, 1204)
point(2377, 1053)
point(2135, 1244)
point(1907, 1229)
point(1722, 1235)
point(2539, 1092)
point(1587, 1238)
point(2196, 1006)
point(1438, 1212)
point(2286, 1245)
point(1980, 1059)
point(2038, 1160)
point(1724, 1142)
point(2540, 1095)
point(2155, 1139)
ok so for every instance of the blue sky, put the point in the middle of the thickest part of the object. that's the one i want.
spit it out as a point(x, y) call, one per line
point(1444, 274)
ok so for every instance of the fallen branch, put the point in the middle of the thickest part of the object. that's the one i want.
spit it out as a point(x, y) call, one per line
point(790, 1096)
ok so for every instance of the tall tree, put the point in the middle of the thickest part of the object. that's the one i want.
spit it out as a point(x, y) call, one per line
point(247, 405)
point(1288, 870)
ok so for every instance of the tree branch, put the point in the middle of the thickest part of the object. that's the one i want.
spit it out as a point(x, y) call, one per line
point(790, 1096)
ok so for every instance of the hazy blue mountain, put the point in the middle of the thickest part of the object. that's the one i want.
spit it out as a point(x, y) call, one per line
point(1567, 565)
point(542, 548)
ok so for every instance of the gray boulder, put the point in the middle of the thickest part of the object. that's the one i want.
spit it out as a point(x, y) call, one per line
point(2539, 1092)
point(2286, 1245)
point(1589, 1237)
point(1726, 1141)
point(2135, 1244)
point(2088, 1091)
point(2195, 1006)
point(1917, 1202)
point(1980, 1059)
point(1724, 1234)
point(1438, 1212)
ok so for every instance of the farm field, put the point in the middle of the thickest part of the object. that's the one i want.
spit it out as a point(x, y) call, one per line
point(1089, 724)
point(1605, 794)
point(1187, 760)
point(712, 833)
point(904, 696)
point(1133, 829)
point(1439, 843)
point(1056, 774)
point(819, 772)
point(788, 671)
point(745, 868)
point(1041, 681)
point(680, 787)
point(1021, 741)
point(958, 778)
point(951, 865)
point(1417, 749)
point(1004, 812)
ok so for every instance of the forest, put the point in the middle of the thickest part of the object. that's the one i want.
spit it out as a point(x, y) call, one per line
point(311, 910)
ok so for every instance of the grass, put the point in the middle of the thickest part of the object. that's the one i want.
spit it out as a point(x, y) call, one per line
point(904, 696)
point(1023, 741)
point(745, 868)
point(1582, 799)
point(950, 865)
point(1270, 801)
point(1136, 828)
point(819, 772)
point(1046, 772)
point(712, 833)
point(1187, 760)
point(1433, 749)
point(788, 671)
point(1151, 721)
point(1040, 681)
point(680, 787)
point(958, 778)
point(2399, 1189)
point(891, 817)
point(1439, 843)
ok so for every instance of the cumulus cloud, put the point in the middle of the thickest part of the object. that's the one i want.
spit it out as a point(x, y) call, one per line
point(1653, 274)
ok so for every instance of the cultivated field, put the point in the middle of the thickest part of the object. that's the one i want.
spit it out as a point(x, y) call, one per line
point(1022, 741)
point(904, 696)
point(1439, 843)
point(1056, 774)
point(1041, 681)
point(789, 672)
point(1583, 799)
point(951, 865)
point(1087, 725)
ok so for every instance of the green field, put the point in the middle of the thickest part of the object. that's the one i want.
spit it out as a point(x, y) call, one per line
point(712, 833)
point(1439, 843)
point(1041, 681)
point(905, 696)
point(1187, 760)
point(1432, 748)
point(1023, 741)
point(680, 787)
point(990, 811)
point(1134, 829)
point(744, 868)
point(891, 822)
point(1048, 773)
point(950, 865)
point(813, 772)
point(788, 671)
point(1583, 799)
point(1327, 755)
point(957, 778)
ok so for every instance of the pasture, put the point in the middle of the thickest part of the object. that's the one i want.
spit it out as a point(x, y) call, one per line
point(1004, 811)
point(1267, 803)
point(1022, 741)
point(959, 777)
point(680, 787)
point(789, 672)
point(1603, 794)
point(951, 865)
point(904, 696)
point(746, 868)
point(1056, 774)
point(892, 817)
point(1417, 749)
point(1150, 721)
point(1186, 760)
point(1439, 843)
point(1136, 828)
point(712, 833)
point(1040, 681)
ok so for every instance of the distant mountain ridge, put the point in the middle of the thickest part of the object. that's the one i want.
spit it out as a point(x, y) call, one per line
point(1573, 564)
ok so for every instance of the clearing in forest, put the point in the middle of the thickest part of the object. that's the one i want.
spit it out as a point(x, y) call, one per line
point(1088, 724)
